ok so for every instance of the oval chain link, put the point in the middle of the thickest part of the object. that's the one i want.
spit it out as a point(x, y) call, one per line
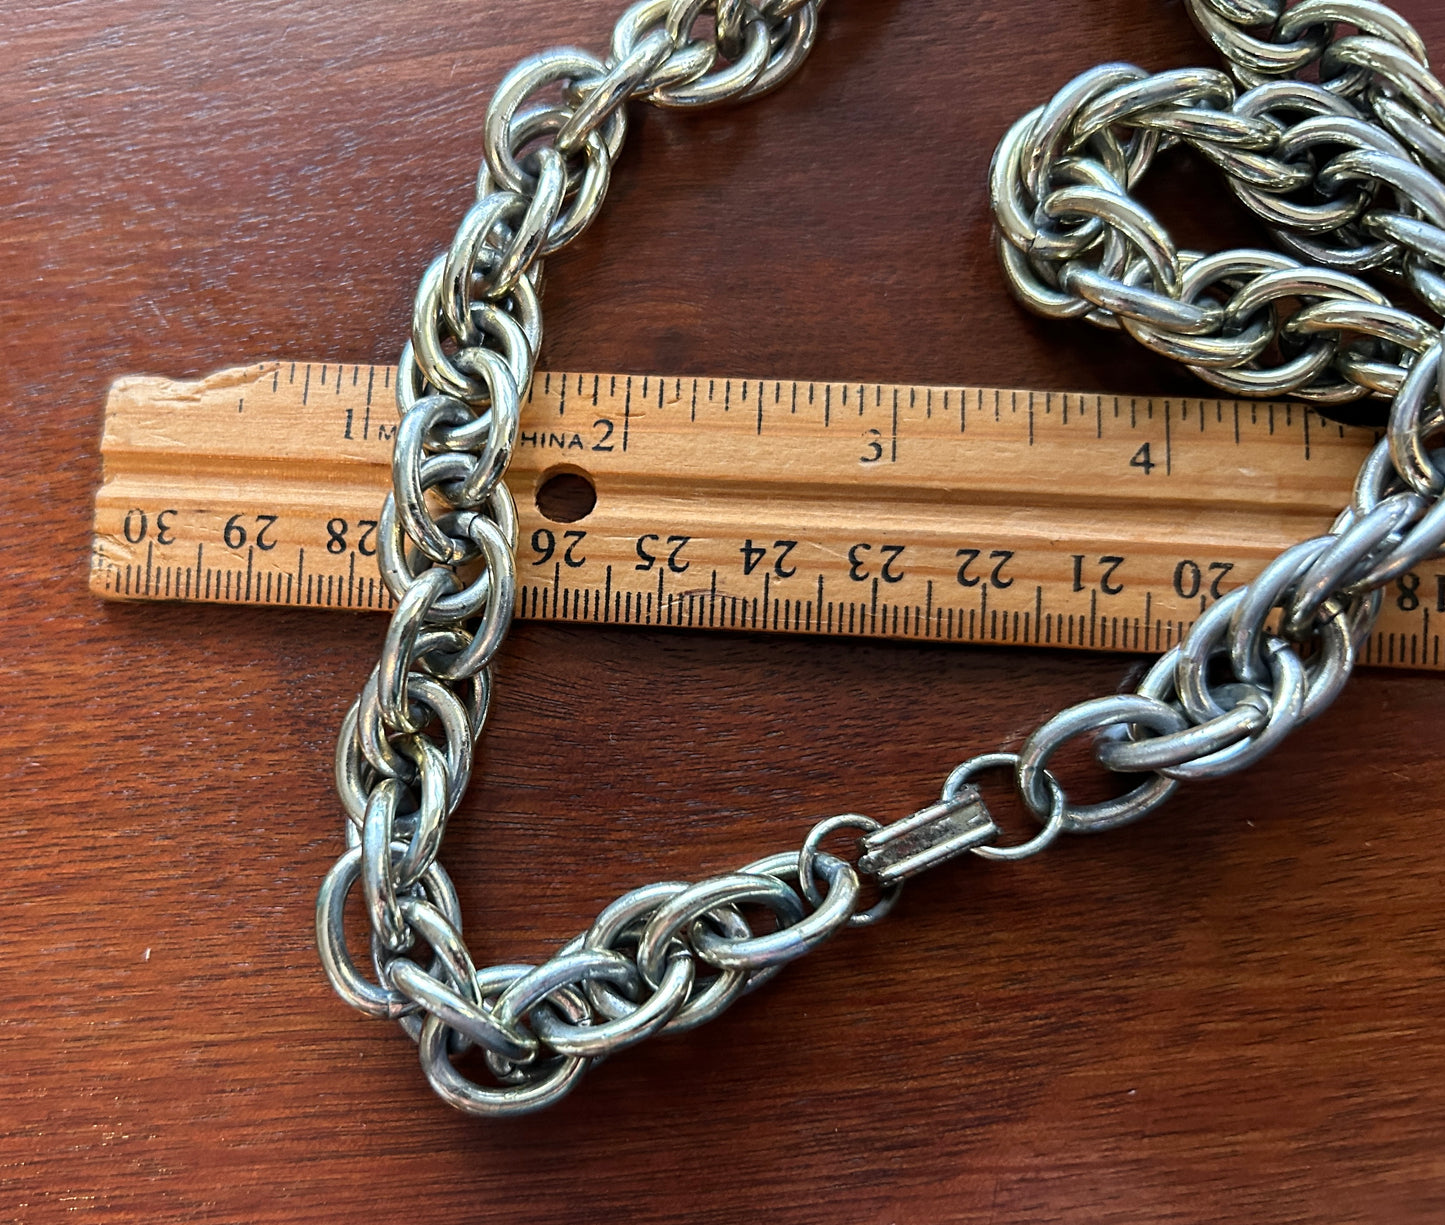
point(1343, 164)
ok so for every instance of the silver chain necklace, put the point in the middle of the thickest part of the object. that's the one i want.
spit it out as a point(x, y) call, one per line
point(1335, 138)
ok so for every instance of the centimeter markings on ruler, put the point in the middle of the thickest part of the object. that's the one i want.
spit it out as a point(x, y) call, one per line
point(952, 514)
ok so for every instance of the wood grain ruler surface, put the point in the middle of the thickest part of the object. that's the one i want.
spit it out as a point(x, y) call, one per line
point(955, 514)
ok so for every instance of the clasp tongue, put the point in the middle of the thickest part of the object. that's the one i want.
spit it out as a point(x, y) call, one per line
point(929, 837)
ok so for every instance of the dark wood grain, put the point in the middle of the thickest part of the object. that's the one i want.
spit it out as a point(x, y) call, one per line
point(1229, 1012)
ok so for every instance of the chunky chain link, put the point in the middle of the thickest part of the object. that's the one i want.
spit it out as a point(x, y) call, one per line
point(1337, 141)
point(1344, 171)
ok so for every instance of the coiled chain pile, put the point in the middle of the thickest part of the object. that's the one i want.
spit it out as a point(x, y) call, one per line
point(1329, 125)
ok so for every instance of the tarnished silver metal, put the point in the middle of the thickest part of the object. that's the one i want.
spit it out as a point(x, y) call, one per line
point(1345, 172)
point(960, 780)
point(927, 838)
point(807, 859)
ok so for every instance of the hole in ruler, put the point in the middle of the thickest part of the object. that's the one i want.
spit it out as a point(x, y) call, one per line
point(566, 495)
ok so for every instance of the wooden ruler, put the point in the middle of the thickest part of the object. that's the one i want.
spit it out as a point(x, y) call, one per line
point(953, 514)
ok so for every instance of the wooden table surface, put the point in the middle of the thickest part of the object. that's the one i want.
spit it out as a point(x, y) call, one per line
point(1231, 1011)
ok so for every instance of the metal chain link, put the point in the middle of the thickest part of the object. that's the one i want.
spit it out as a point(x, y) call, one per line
point(1346, 171)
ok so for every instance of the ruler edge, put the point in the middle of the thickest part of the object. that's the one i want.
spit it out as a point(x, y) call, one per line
point(250, 373)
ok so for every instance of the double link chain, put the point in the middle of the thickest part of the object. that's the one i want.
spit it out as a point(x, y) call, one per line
point(1337, 140)
point(1344, 172)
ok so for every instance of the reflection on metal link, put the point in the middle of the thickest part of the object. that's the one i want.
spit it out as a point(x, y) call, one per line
point(927, 838)
point(1344, 172)
point(1328, 125)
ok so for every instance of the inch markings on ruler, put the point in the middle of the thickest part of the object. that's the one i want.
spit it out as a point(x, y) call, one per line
point(942, 513)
